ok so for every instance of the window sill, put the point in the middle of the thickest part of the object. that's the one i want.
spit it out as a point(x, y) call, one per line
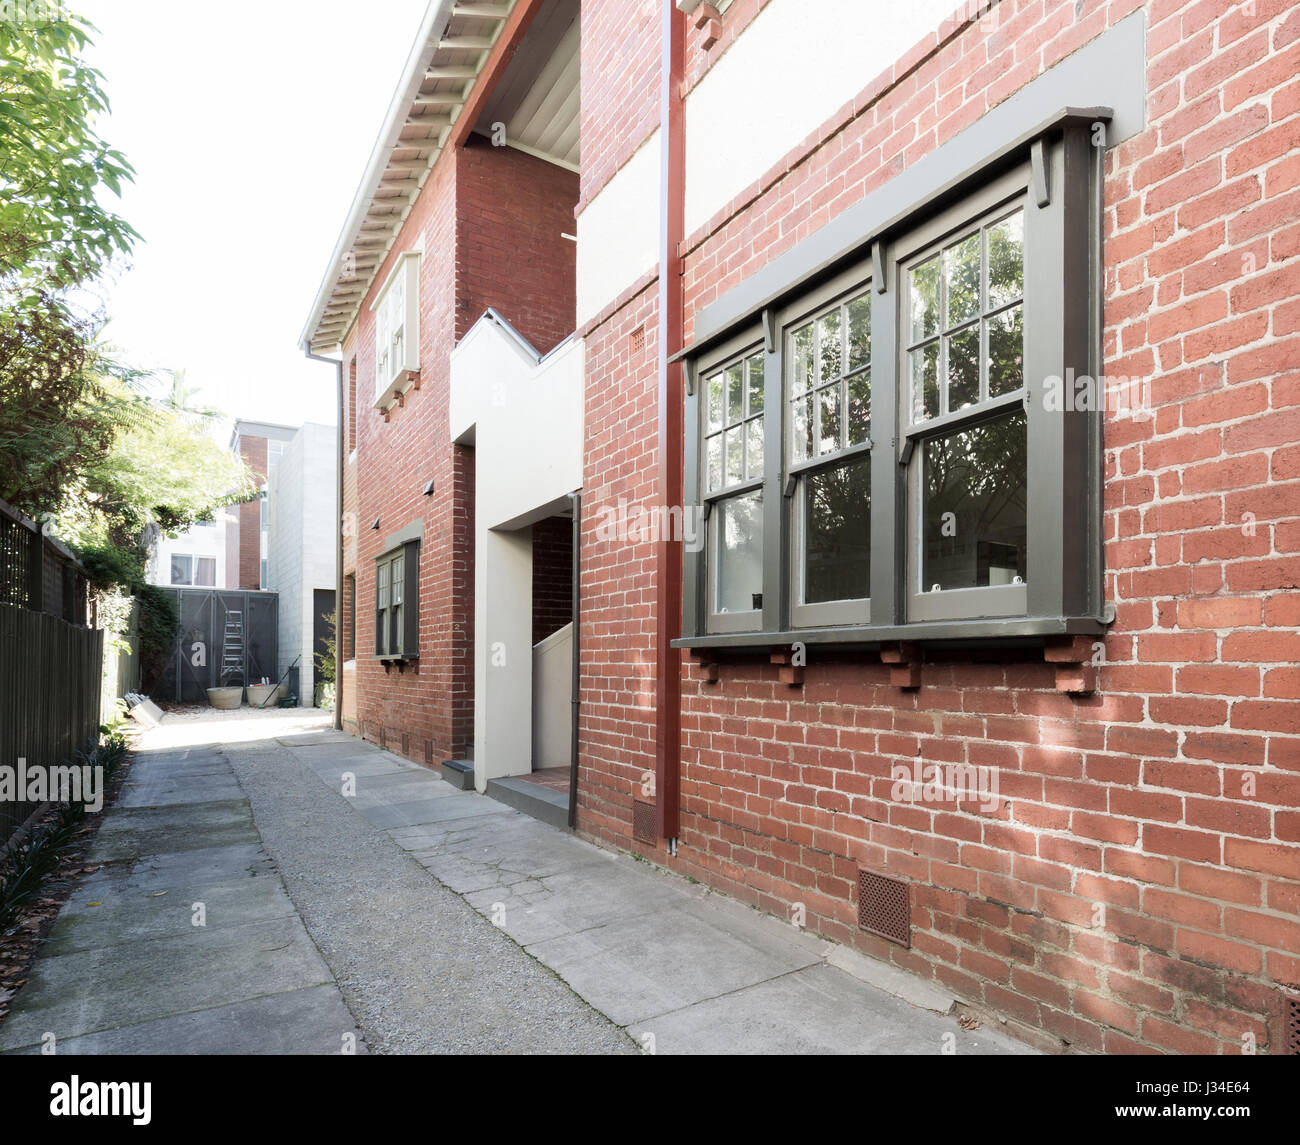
point(986, 631)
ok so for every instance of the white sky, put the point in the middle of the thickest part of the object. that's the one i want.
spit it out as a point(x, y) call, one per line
point(249, 125)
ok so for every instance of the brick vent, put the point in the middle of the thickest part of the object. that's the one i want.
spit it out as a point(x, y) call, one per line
point(643, 821)
point(636, 340)
point(1291, 1028)
point(885, 907)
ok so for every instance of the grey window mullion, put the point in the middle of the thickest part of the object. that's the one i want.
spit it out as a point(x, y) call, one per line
point(886, 474)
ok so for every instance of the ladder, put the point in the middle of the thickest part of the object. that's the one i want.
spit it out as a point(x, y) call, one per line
point(232, 646)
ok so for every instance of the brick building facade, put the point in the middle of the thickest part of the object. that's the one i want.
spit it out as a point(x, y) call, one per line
point(1119, 660)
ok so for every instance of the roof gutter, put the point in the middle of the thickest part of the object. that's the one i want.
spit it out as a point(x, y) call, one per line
point(435, 20)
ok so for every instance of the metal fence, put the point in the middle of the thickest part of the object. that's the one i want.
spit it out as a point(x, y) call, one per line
point(51, 661)
point(196, 663)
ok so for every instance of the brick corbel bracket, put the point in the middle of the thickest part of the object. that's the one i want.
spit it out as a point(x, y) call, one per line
point(790, 672)
point(1072, 657)
point(904, 660)
point(707, 20)
point(708, 664)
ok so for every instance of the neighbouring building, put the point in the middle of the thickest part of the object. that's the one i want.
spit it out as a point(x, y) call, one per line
point(196, 557)
point(919, 380)
point(302, 530)
point(261, 445)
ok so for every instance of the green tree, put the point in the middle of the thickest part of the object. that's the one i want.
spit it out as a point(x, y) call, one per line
point(54, 232)
point(56, 412)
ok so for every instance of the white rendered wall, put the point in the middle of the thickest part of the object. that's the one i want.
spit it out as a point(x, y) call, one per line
point(793, 68)
point(552, 699)
point(618, 232)
point(526, 421)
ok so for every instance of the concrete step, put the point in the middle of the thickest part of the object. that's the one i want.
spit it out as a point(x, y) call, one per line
point(533, 799)
point(459, 773)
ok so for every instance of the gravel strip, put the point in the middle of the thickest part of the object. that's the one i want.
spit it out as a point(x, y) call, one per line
point(420, 970)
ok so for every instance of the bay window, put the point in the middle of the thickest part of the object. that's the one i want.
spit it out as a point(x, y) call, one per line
point(872, 442)
point(396, 603)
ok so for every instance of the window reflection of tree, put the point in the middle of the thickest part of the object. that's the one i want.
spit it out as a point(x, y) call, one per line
point(978, 475)
point(838, 548)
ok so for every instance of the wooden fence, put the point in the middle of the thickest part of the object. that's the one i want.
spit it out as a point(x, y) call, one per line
point(51, 661)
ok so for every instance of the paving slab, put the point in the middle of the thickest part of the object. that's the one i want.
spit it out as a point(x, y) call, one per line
point(313, 1020)
point(639, 967)
point(817, 1010)
point(133, 831)
point(118, 915)
point(94, 990)
point(424, 810)
point(154, 790)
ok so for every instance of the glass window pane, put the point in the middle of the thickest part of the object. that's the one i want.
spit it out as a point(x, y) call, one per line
point(715, 403)
point(754, 448)
point(801, 359)
point(829, 345)
point(860, 408)
point(381, 587)
point(925, 299)
point(180, 570)
point(398, 580)
point(205, 572)
point(1006, 260)
point(837, 533)
point(964, 368)
point(973, 519)
point(859, 331)
point(735, 393)
point(925, 381)
point(739, 552)
point(715, 461)
point(802, 427)
point(1006, 352)
point(755, 383)
point(829, 430)
point(735, 454)
point(961, 266)
point(395, 629)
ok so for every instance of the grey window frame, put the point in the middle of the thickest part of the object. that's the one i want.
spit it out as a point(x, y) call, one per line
point(991, 202)
point(1057, 168)
point(843, 288)
point(398, 642)
point(700, 584)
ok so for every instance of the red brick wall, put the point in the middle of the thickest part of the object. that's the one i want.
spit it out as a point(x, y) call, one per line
point(552, 576)
point(491, 220)
point(620, 85)
point(253, 451)
point(616, 743)
point(1130, 894)
point(511, 211)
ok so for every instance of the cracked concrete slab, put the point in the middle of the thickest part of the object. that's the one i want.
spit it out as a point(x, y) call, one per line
point(93, 990)
point(313, 1020)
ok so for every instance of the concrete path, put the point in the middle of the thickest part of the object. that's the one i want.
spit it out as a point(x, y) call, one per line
point(441, 920)
point(127, 970)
